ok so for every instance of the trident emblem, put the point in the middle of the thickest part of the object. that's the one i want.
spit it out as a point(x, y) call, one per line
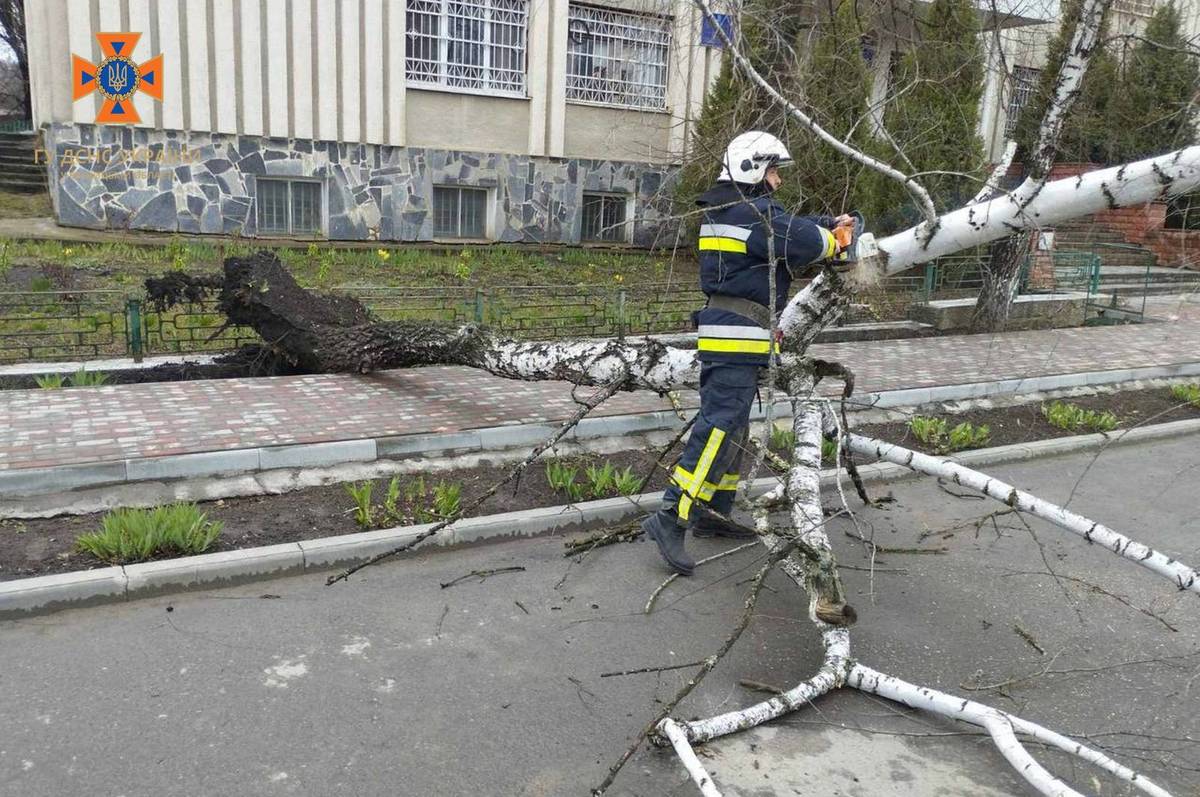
point(118, 78)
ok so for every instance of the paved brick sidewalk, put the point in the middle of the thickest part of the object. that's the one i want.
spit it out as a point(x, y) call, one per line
point(41, 428)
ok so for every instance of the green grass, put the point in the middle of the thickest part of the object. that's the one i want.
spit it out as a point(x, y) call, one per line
point(121, 265)
point(24, 206)
point(1073, 418)
point(135, 535)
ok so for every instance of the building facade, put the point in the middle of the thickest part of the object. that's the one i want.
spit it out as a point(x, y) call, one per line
point(1017, 56)
point(535, 121)
point(392, 120)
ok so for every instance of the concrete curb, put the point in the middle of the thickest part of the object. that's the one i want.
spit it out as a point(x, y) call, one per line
point(45, 594)
point(18, 483)
point(112, 364)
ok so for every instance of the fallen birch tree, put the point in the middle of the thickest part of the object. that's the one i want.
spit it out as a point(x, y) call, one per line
point(323, 333)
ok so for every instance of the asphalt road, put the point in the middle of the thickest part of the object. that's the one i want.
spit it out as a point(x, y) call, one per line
point(391, 685)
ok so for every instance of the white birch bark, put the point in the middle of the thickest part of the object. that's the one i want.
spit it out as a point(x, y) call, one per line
point(918, 192)
point(1074, 66)
point(649, 366)
point(1003, 271)
point(1183, 576)
point(1035, 204)
point(992, 186)
point(1001, 725)
point(830, 676)
point(838, 669)
point(655, 366)
point(687, 757)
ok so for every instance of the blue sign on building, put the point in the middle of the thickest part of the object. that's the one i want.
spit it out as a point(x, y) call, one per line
point(709, 37)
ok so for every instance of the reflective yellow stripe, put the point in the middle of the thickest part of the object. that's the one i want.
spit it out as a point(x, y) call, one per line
point(683, 478)
point(686, 480)
point(694, 484)
point(685, 506)
point(706, 457)
point(728, 482)
point(722, 245)
point(830, 244)
point(732, 346)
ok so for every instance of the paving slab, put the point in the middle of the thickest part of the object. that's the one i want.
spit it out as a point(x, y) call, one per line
point(113, 423)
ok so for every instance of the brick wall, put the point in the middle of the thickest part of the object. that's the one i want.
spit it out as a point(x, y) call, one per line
point(1142, 225)
point(1175, 248)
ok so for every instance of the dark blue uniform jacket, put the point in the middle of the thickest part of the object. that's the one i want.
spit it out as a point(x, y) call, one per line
point(739, 224)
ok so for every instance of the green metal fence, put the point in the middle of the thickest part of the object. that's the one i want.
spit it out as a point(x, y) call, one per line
point(79, 325)
point(47, 325)
point(16, 126)
point(951, 278)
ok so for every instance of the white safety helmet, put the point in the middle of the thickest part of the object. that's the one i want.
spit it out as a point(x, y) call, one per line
point(748, 157)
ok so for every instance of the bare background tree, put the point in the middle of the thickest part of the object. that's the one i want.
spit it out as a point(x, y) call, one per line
point(15, 101)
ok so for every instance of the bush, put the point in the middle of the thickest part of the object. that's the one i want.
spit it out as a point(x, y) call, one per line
point(1074, 418)
point(627, 482)
point(600, 479)
point(85, 378)
point(783, 439)
point(562, 478)
point(936, 434)
point(447, 499)
point(364, 514)
point(1189, 394)
point(966, 436)
point(135, 535)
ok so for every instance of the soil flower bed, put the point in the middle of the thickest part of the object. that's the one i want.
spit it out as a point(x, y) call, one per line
point(44, 546)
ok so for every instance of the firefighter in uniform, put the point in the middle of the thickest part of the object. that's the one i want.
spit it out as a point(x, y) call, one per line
point(740, 224)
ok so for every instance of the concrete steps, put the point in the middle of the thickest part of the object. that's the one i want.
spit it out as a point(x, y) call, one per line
point(18, 170)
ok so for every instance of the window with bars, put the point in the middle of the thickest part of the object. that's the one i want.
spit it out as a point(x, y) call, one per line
point(1140, 8)
point(1022, 82)
point(473, 45)
point(603, 218)
point(289, 207)
point(459, 212)
point(617, 58)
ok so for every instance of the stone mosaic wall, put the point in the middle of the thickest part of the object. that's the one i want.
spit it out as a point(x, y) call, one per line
point(108, 177)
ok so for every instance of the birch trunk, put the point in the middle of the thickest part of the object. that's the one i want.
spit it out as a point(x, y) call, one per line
point(1003, 269)
point(1183, 576)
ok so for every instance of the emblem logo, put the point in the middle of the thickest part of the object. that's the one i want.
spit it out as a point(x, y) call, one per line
point(117, 78)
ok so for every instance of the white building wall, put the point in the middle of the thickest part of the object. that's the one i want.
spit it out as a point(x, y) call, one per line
point(334, 70)
point(1027, 47)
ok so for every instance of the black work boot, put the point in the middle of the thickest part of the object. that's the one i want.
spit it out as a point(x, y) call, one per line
point(712, 526)
point(663, 527)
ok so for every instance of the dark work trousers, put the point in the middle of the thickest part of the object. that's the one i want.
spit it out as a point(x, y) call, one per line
point(708, 469)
